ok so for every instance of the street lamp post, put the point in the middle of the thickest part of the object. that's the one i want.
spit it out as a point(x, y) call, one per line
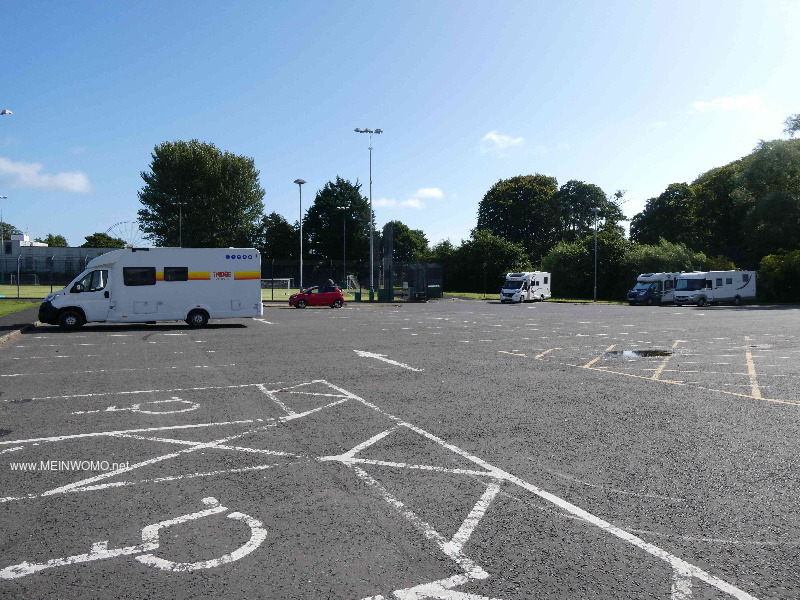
point(595, 210)
point(2, 243)
point(344, 244)
point(371, 261)
point(300, 183)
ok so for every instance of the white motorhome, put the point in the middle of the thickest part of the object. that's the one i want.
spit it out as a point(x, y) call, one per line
point(143, 285)
point(653, 288)
point(526, 287)
point(705, 287)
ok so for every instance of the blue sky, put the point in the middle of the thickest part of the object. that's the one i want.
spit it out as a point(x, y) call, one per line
point(629, 95)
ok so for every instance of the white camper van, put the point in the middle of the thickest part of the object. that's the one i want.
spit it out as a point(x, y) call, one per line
point(653, 288)
point(526, 287)
point(705, 287)
point(142, 285)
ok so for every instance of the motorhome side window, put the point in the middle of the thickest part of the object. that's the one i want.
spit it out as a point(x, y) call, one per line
point(545, 280)
point(176, 273)
point(139, 275)
point(92, 282)
point(745, 277)
point(719, 281)
point(728, 280)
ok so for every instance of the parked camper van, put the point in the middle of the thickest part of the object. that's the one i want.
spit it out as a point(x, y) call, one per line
point(138, 285)
point(526, 287)
point(653, 288)
point(704, 287)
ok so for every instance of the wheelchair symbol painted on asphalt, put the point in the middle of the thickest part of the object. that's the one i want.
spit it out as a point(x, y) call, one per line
point(150, 542)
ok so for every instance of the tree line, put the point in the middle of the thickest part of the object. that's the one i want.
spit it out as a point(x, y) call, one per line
point(745, 214)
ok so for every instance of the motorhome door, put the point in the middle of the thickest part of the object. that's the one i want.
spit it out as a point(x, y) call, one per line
point(92, 295)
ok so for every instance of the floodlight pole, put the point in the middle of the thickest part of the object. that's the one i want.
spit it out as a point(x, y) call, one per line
point(2, 243)
point(300, 183)
point(595, 210)
point(371, 260)
point(344, 244)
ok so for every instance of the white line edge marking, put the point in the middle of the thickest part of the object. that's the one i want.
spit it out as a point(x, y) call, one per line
point(476, 514)
point(383, 358)
point(685, 569)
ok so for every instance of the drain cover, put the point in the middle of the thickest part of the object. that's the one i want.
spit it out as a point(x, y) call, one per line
point(639, 353)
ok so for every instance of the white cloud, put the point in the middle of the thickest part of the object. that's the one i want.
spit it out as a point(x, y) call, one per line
point(751, 103)
point(384, 203)
point(428, 193)
point(496, 142)
point(415, 203)
point(29, 176)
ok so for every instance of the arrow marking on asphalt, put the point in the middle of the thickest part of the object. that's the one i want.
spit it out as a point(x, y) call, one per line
point(384, 359)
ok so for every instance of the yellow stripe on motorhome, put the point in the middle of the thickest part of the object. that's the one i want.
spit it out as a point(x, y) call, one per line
point(159, 276)
point(247, 275)
point(199, 275)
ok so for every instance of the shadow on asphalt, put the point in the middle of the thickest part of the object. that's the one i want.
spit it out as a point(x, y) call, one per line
point(133, 327)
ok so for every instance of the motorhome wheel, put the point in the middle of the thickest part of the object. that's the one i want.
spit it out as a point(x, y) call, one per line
point(737, 301)
point(701, 301)
point(197, 319)
point(70, 320)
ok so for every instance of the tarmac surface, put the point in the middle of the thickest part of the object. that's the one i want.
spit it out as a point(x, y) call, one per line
point(455, 450)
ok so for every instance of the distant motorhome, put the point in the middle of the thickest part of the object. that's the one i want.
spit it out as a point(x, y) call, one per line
point(142, 285)
point(526, 287)
point(653, 288)
point(708, 287)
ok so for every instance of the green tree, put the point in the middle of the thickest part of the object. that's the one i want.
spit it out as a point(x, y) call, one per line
point(54, 241)
point(576, 200)
point(9, 230)
point(671, 216)
point(768, 193)
point(791, 125)
point(442, 252)
point(571, 265)
point(525, 211)
point(326, 222)
point(102, 240)
point(279, 239)
point(481, 263)
point(718, 224)
point(779, 277)
point(216, 195)
point(408, 245)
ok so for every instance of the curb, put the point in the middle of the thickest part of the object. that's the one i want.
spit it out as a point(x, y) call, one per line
point(13, 334)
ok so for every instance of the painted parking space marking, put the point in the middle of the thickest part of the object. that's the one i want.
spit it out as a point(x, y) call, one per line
point(150, 543)
point(184, 406)
point(382, 357)
point(368, 471)
point(123, 370)
point(663, 364)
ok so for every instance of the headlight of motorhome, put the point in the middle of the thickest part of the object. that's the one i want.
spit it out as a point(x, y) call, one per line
point(51, 296)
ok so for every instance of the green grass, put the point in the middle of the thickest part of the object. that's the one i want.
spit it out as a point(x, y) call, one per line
point(10, 306)
point(27, 291)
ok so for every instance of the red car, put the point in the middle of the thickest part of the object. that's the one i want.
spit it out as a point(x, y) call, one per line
point(319, 295)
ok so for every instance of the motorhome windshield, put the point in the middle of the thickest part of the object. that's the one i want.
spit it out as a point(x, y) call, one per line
point(512, 285)
point(642, 286)
point(689, 285)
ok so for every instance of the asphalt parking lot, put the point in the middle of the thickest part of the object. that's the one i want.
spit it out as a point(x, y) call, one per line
point(453, 450)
